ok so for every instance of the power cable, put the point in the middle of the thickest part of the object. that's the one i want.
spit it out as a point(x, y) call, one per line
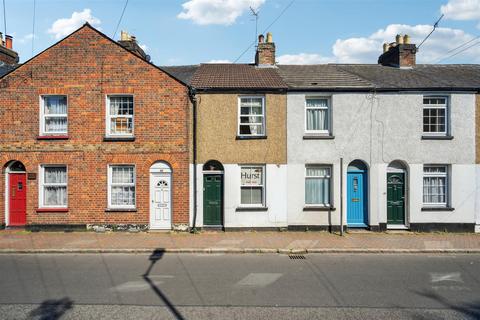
point(271, 24)
point(457, 53)
point(435, 25)
point(119, 20)
point(456, 48)
point(4, 18)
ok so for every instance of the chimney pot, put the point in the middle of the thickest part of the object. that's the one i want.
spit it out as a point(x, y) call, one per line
point(260, 38)
point(399, 39)
point(269, 37)
point(385, 47)
point(406, 39)
point(8, 42)
point(124, 36)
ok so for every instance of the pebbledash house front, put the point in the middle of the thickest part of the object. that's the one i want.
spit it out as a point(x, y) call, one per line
point(93, 134)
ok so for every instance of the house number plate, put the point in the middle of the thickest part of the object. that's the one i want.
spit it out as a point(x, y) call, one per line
point(161, 205)
point(355, 200)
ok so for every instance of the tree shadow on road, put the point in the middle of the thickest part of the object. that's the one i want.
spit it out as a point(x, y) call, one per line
point(51, 309)
point(156, 255)
point(470, 310)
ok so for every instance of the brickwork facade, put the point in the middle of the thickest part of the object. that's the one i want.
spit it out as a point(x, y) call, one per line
point(87, 67)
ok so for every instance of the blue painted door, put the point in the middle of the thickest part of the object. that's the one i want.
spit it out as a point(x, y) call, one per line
point(357, 205)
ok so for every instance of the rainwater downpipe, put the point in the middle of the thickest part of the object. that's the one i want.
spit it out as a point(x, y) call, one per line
point(193, 98)
point(341, 196)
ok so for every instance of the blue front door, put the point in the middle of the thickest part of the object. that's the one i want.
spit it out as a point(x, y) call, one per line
point(357, 205)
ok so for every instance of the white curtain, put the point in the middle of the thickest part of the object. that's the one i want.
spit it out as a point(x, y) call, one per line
point(317, 114)
point(55, 105)
point(55, 194)
point(123, 174)
point(317, 186)
point(55, 124)
point(434, 190)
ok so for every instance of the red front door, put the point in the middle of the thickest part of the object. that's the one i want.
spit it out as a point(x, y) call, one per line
point(17, 203)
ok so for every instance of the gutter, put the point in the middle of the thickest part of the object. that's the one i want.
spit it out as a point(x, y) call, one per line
point(193, 98)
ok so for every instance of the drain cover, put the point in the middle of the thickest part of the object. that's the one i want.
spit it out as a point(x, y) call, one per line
point(296, 256)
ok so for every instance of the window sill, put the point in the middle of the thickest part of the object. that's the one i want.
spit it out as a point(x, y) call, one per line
point(318, 208)
point(121, 210)
point(52, 138)
point(318, 137)
point(438, 209)
point(250, 137)
point(437, 137)
point(116, 139)
point(251, 209)
point(52, 210)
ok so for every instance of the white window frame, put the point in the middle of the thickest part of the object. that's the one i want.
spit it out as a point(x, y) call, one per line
point(43, 116)
point(253, 205)
point(110, 185)
point(445, 106)
point(262, 116)
point(328, 108)
point(445, 175)
point(42, 185)
point(109, 116)
point(330, 181)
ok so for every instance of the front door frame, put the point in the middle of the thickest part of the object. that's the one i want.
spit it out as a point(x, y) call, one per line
point(222, 210)
point(406, 183)
point(7, 189)
point(365, 199)
point(160, 168)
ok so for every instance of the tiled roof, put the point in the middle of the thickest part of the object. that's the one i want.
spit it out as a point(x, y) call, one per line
point(183, 73)
point(373, 76)
point(320, 76)
point(237, 76)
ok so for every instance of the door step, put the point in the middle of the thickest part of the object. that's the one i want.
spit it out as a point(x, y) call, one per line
point(397, 227)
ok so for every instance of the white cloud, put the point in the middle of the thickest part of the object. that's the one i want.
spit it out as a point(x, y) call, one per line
point(26, 38)
point(64, 26)
point(304, 58)
point(368, 49)
point(223, 12)
point(219, 61)
point(462, 10)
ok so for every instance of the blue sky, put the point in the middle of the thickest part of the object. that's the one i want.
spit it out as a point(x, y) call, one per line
point(195, 31)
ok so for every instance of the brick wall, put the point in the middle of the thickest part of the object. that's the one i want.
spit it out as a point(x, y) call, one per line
point(86, 67)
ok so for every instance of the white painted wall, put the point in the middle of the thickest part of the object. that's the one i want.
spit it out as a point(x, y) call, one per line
point(379, 129)
point(276, 198)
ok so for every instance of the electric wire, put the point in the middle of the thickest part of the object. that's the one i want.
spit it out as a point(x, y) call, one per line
point(456, 48)
point(457, 53)
point(33, 27)
point(266, 29)
point(4, 18)
point(119, 20)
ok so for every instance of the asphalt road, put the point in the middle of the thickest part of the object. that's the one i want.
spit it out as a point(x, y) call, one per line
point(171, 286)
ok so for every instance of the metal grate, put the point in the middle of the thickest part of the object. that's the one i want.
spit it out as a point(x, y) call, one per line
point(296, 257)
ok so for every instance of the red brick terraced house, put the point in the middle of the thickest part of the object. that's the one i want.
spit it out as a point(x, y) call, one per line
point(92, 134)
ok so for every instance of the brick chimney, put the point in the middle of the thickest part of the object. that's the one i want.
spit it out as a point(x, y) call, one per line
point(400, 54)
point(7, 55)
point(129, 42)
point(265, 55)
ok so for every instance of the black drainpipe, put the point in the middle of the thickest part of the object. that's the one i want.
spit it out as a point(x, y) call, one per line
point(193, 98)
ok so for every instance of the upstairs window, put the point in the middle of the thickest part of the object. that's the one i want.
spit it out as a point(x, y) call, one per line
point(317, 115)
point(53, 114)
point(435, 116)
point(53, 186)
point(251, 116)
point(435, 185)
point(120, 116)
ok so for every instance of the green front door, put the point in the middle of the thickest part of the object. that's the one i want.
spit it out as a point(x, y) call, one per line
point(212, 199)
point(396, 198)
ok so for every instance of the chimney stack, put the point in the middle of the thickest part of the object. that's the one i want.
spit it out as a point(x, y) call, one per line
point(129, 42)
point(7, 55)
point(400, 54)
point(265, 55)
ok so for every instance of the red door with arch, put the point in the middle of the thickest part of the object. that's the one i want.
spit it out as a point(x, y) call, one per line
point(17, 199)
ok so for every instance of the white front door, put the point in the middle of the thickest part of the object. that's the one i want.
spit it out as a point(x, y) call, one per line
point(160, 201)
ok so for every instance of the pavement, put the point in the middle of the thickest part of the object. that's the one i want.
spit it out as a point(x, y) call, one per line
point(19, 241)
point(239, 286)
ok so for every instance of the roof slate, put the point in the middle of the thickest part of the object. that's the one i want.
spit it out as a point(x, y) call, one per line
point(183, 73)
point(236, 76)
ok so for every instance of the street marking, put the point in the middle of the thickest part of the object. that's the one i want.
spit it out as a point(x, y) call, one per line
point(440, 277)
point(451, 288)
point(259, 279)
point(140, 285)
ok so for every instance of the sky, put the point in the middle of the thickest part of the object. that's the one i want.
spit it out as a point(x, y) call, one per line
point(181, 32)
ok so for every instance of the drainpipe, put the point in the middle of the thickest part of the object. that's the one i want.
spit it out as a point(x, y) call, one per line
point(193, 98)
point(341, 196)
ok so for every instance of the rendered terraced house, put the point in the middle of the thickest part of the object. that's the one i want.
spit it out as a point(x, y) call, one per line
point(91, 133)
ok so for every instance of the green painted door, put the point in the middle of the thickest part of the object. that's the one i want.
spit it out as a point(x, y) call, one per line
point(212, 200)
point(396, 198)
